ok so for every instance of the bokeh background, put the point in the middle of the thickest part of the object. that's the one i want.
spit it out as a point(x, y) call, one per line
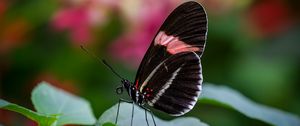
point(253, 46)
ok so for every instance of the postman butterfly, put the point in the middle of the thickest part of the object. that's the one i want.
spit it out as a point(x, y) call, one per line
point(169, 77)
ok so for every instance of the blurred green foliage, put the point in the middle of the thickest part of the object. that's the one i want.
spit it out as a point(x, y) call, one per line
point(259, 59)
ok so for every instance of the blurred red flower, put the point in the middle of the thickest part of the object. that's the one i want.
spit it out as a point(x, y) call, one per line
point(3, 7)
point(270, 17)
point(12, 34)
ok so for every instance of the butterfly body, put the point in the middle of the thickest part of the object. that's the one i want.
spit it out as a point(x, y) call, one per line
point(136, 96)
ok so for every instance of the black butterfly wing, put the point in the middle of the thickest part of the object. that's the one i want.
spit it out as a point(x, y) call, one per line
point(175, 84)
point(178, 44)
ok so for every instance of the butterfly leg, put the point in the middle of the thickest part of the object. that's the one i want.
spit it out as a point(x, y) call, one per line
point(153, 118)
point(132, 113)
point(146, 109)
point(146, 117)
point(120, 100)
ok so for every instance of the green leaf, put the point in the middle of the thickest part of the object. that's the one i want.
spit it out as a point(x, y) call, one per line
point(68, 108)
point(139, 118)
point(43, 120)
point(108, 124)
point(227, 97)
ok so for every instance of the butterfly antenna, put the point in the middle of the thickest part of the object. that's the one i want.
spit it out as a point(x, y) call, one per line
point(102, 61)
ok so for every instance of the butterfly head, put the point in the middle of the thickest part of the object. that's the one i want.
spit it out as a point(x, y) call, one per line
point(125, 84)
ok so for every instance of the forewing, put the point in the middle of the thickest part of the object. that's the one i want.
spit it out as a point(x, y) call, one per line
point(184, 30)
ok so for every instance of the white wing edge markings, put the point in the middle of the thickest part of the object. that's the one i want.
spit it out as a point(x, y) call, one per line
point(199, 87)
point(190, 107)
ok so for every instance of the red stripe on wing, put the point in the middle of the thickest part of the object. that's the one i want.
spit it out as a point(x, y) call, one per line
point(173, 44)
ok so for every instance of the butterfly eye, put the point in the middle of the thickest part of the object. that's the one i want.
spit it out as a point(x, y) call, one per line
point(119, 90)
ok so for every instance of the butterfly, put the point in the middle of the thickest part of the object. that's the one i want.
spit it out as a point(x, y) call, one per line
point(169, 77)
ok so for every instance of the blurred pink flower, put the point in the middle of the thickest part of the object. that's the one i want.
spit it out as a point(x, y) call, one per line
point(131, 47)
point(79, 16)
point(76, 21)
point(144, 18)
